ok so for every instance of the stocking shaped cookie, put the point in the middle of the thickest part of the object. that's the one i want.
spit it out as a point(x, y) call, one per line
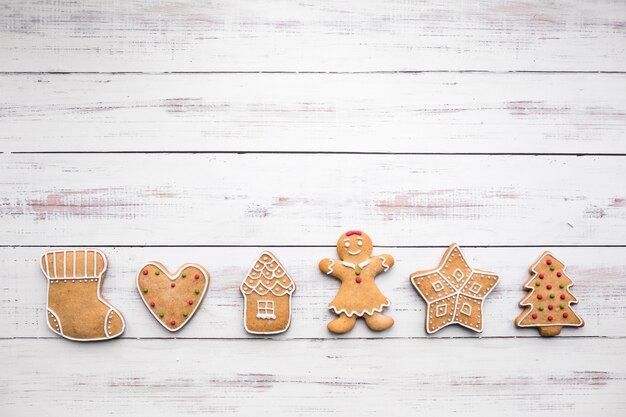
point(548, 304)
point(76, 308)
point(358, 295)
point(172, 298)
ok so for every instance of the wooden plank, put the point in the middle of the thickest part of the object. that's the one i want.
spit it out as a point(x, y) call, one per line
point(599, 273)
point(418, 113)
point(192, 35)
point(229, 199)
point(313, 377)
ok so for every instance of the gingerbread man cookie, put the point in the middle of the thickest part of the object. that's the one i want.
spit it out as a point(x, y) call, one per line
point(358, 295)
point(76, 308)
point(172, 299)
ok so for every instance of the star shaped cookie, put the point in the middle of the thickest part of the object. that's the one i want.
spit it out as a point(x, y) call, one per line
point(454, 292)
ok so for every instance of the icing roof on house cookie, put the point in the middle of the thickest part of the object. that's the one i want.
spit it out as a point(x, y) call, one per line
point(268, 275)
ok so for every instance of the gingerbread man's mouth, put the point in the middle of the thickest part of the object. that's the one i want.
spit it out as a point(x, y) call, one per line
point(355, 253)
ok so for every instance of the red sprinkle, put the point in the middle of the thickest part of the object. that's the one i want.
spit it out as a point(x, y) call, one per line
point(197, 276)
point(173, 284)
point(549, 286)
point(152, 304)
point(534, 316)
point(558, 274)
point(173, 323)
point(539, 296)
point(550, 306)
point(565, 315)
point(549, 261)
point(190, 302)
point(358, 280)
point(562, 296)
point(145, 272)
point(550, 318)
point(540, 276)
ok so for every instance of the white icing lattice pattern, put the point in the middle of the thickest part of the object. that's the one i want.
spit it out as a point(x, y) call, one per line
point(268, 275)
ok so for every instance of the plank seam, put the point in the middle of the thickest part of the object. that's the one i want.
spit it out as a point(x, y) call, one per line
point(577, 154)
point(311, 246)
point(440, 71)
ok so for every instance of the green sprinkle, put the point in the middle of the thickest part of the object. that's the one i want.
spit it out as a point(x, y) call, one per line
point(357, 272)
point(540, 308)
point(161, 315)
point(562, 306)
point(184, 275)
point(537, 283)
point(157, 273)
point(561, 286)
point(551, 295)
point(184, 314)
point(145, 290)
point(197, 292)
point(552, 268)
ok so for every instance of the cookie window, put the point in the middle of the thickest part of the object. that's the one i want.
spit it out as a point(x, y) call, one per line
point(265, 310)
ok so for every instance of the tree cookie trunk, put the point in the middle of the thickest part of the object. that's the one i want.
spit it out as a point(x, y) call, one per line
point(550, 330)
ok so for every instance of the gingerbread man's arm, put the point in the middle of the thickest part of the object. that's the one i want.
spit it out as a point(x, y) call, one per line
point(330, 267)
point(382, 263)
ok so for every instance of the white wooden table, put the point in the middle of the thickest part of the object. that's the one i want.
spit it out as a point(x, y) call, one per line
point(209, 131)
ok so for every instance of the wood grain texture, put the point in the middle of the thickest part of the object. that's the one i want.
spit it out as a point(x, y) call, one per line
point(393, 84)
point(420, 113)
point(140, 35)
point(314, 377)
point(228, 199)
point(599, 275)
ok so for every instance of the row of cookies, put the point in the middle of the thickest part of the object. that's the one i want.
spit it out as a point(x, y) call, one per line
point(454, 293)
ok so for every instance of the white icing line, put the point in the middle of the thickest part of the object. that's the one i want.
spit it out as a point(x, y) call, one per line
point(47, 264)
point(60, 331)
point(54, 258)
point(352, 313)
point(330, 267)
point(385, 266)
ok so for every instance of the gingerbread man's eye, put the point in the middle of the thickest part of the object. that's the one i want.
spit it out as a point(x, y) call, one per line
point(360, 243)
point(346, 244)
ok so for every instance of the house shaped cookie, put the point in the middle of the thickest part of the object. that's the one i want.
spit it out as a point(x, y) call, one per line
point(267, 292)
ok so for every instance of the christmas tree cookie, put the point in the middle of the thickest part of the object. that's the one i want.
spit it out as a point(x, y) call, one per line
point(454, 292)
point(172, 299)
point(76, 308)
point(548, 304)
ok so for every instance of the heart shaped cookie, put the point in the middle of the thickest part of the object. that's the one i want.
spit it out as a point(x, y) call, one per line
point(172, 298)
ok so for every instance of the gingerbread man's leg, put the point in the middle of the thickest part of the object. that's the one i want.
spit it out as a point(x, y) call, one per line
point(342, 324)
point(378, 321)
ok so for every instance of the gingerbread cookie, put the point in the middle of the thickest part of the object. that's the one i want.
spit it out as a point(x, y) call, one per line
point(172, 298)
point(454, 292)
point(358, 295)
point(76, 308)
point(267, 291)
point(548, 304)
